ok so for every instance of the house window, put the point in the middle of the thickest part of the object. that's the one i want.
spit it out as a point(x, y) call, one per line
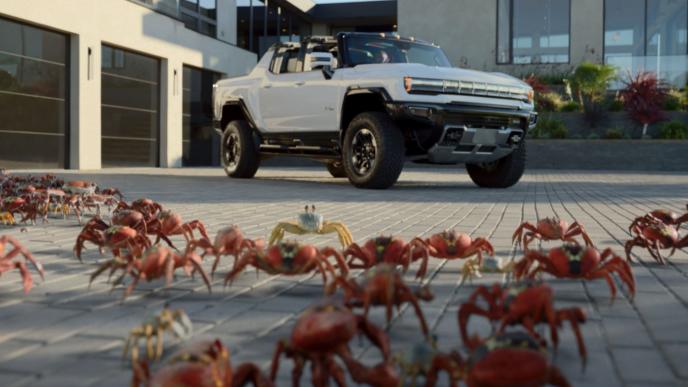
point(200, 15)
point(647, 35)
point(533, 31)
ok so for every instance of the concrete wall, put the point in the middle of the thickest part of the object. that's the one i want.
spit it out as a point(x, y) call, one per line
point(134, 27)
point(467, 31)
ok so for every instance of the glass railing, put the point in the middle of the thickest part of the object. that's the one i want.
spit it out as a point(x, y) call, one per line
point(671, 70)
point(168, 7)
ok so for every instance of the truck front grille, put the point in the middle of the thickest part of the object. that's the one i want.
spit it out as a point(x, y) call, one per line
point(484, 121)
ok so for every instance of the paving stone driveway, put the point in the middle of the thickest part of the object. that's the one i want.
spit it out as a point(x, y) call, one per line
point(65, 333)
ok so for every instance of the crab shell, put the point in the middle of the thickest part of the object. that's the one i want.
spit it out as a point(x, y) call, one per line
point(13, 203)
point(574, 259)
point(450, 242)
point(665, 216)
point(289, 255)
point(512, 359)
point(229, 236)
point(118, 234)
point(126, 217)
point(552, 227)
point(665, 234)
point(310, 221)
point(324, 327)
point(205, 363)
point(385, 249)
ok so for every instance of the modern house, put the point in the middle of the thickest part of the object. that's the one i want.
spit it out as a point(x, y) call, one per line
point(91, 84)
point(554, 36)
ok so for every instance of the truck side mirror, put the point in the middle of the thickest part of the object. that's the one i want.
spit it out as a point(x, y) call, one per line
point(327, 71)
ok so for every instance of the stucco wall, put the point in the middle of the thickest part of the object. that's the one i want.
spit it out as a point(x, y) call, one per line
point(467, 31)
point(134, 27)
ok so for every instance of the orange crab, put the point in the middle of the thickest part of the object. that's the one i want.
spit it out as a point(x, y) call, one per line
point(391, 250)
point(383, 285)
point(202, 364)
point(451, 244)
point(166, 223)
point(577, 262)
point(290, 258)
point(156, 262)
point(7, 263)
point(654, 235)
point(549, 229)
point(228, 241)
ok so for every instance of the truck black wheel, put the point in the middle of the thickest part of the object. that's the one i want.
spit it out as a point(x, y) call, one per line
point(502, 173)
point(336, 169)
point(240, 151)
point(373, 151)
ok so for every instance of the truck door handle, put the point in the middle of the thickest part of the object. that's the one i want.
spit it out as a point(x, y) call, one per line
point(267, 86)
point(300, 83)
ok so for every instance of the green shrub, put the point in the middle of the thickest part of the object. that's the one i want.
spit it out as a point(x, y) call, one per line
point(548, 102)
point(570, 106)
point(547, 128)
point(615, 105)
point(674, 130)
point(672, 100)
point(614, 134)
point(593, 136)
point(589, 85)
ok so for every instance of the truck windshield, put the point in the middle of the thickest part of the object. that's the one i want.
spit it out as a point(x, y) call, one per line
point(372, 50)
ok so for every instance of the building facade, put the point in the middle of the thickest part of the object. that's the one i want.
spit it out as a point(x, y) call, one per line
point(91, 84)
point(554, 36)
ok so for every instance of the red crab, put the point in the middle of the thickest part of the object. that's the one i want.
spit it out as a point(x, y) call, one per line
point(130, 218)
point(13, 205)
point(115, 238)
point(390, 250)
point(202, 364)
point(156, 262)
point(7, 263)
point(112, 192)
point(655, 235)
point(577, 262)
point(80, 187)
point(228, 241)
point(321, 334)
point(147, 207)
point(665, 216)
point(290, 258)
point(383, 285)
point(509, 359)
point(451, 244)
point(549, 229)
point(167, 223)
point(524, 304)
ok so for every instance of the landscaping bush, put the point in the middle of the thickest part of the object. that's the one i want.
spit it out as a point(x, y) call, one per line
point(547, 128)
point(570, 106)
point(548, 102)
point(589, 84)
point(538, 86)
point(673, 100)
point(614, 134)
point(643, 99)
point(674, 130)
point(593, 136)
point(615, 105)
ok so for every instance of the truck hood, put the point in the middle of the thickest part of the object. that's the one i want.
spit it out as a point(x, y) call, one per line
point(446, 73)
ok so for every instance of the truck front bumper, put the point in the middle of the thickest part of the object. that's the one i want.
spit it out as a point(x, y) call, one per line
point(465, 133)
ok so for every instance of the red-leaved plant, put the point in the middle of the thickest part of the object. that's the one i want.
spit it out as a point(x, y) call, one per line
point(643, 98)
point(538, 86)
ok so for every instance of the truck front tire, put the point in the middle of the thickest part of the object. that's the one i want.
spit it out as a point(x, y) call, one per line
point(502, 173)
point(336, 169)
point(240, 151)
point(373, 151)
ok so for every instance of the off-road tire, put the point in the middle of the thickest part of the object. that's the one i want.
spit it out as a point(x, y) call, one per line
point(243, 159)
point(503, 173)
point(389, 151)
point(336, 169)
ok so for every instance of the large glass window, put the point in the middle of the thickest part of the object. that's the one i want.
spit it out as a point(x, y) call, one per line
point(200, 142)
point(130, 99)
point(533, 31)
point(33, 97)
point(200, 15)
point(647, 35)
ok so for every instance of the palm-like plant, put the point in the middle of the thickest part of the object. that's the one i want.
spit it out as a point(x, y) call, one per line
point(643, 98)
point(589, 84)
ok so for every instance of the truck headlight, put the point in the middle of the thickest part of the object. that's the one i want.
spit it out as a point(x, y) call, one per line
point(423, 85)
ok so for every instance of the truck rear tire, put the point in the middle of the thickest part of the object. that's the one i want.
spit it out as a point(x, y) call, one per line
point(502, 173)
point(240, 151)
point(373, 151)
point(336, 169)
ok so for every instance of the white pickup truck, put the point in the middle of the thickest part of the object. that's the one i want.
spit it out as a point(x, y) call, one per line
point(365, 103)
